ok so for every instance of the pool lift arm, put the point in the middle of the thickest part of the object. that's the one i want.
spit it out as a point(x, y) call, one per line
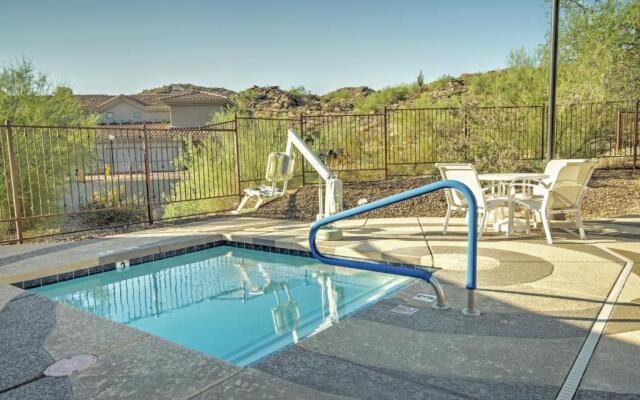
point(331, 202)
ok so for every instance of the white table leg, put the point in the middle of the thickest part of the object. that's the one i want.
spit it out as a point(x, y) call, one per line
point(510, 221)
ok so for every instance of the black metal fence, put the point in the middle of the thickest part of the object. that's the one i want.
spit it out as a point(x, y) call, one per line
point(57, 179)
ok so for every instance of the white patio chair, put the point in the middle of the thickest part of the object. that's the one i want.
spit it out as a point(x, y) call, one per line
point(540, 186)
point(552, 169)
point(467, 174)
point(563, 195)
point(279, 170)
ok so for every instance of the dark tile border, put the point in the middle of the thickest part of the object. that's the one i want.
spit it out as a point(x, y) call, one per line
point(98, 269)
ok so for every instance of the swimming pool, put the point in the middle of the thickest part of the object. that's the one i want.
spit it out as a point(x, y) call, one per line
point(235, 304)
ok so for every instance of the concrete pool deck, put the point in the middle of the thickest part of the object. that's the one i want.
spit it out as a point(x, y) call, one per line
point(539, 303)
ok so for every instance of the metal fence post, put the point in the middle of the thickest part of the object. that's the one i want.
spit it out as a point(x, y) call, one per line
point(465, 132)
point(302, 136)
point(465, 126)
point(635, 135)
point(386, 146)
point(147, 174)
point(618, 130)
point(14, 183)
point(236, 150)
point(543, 113)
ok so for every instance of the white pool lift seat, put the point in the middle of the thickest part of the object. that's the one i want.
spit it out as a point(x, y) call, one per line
point(279, 171)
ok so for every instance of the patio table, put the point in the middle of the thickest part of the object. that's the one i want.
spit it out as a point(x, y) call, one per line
point(513, 176)
point(506, 180)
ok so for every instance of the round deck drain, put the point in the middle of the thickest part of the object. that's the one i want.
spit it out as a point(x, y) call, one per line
point(71, 365)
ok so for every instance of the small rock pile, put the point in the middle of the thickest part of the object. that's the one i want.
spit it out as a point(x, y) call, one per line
point(454, 87)
point(273, 100)
point(270, 100)
point(344, 99)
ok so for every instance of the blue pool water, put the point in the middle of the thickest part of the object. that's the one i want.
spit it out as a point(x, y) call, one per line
point(236, 304)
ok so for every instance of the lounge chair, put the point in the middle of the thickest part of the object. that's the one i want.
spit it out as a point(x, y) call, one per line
point(467, 174)
point(563, 195)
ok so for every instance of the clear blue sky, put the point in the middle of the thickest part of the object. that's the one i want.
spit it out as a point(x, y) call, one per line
point(126, 46)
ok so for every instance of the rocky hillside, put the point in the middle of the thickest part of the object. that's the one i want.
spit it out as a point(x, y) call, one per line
point(264, 100)
point(345, 99)
point(273, 100)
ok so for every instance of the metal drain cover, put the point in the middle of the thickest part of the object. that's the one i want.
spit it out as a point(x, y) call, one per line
point(404, 310)
point(426, 297)
point(71, 365)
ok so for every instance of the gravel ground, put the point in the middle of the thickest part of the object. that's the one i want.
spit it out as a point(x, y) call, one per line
point(611, 193)
point(303, 203)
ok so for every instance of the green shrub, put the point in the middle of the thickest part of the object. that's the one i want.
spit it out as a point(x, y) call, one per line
point(112, 207)
point(380, 99)
point(44, 166)
point(208, 183)
point(489, 143)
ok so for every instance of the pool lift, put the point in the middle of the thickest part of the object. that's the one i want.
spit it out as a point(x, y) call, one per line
point(285, 314)
point(280, 169)
point(331, 295)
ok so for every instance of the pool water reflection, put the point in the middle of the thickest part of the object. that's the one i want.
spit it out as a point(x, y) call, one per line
point(235, 304)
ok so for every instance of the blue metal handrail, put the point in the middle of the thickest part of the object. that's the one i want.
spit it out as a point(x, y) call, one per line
point(472, 240)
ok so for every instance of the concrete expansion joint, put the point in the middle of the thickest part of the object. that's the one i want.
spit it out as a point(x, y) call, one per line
point(122, 345)
point(390, 373)
point(21, 296)
point(41, 374)
point(27, 382)
point(216, 383)
point(17, 298)
point(582, 360)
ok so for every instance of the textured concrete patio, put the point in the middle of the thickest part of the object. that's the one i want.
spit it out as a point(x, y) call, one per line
point(539, 303)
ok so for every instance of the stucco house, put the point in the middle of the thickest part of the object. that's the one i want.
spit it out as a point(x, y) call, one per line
point(121, 149)
point(181, 109)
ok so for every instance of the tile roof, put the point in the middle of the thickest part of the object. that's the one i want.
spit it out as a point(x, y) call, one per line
point(152, 100)
point(197, 98)
point(92, 102)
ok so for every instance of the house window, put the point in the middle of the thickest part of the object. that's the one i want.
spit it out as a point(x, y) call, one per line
point(137, 115)
point(108, 115)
